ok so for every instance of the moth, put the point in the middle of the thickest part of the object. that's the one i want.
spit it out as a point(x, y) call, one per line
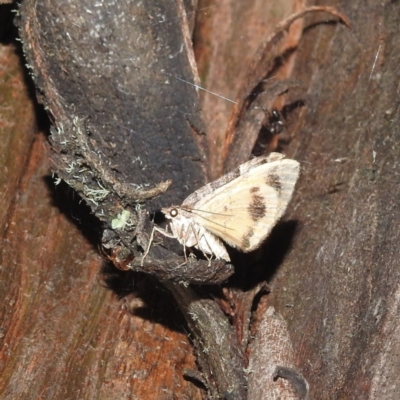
point(239, 209)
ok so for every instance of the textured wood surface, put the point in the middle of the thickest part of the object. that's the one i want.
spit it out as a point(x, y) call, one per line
point(338, 286)
point(70, 327)
point(121, 79)
point(333, 265)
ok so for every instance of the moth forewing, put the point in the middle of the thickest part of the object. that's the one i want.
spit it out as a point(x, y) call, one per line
point(208, 189)
point(243, 211)
point(241, 207)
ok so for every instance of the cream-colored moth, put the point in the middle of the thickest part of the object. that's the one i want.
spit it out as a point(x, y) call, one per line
point(241, 207)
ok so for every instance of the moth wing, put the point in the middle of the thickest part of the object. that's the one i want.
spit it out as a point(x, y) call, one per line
point(210, 188)
point(243, 211)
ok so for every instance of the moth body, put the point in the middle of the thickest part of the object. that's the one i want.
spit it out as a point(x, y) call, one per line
point(191, 234)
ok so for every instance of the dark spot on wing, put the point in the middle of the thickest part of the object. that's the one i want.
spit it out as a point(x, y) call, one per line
point(274, 180)
point(254, 189)
point(246, 239)
point(257, 208)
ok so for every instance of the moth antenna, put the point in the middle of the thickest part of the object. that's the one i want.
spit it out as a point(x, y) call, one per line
point(207, 219)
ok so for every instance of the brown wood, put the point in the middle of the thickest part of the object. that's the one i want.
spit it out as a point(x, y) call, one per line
point(94, 67)
point(333, 266)
point(117, 109)
point(64, 332)
point(339, 285)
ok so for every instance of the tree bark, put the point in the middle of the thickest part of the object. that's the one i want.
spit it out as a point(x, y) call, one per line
point(332, 266)
point(339, 285)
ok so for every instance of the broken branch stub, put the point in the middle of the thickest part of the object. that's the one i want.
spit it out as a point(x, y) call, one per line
point(126, 126)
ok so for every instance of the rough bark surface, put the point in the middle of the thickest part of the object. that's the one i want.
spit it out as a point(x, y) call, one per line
point(333, 267)
point(102, 77)
point(115, 66)
point(339, 285)
point(64, 332)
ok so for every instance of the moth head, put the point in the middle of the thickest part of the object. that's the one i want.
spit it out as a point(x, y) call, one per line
point(170, 212)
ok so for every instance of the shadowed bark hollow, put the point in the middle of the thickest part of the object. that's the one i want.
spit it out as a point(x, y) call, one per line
point(113, 75)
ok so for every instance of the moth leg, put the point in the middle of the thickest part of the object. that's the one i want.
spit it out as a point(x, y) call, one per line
point(208, 259)
point(205, 255)
point(184, 237)
point(162, 231)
